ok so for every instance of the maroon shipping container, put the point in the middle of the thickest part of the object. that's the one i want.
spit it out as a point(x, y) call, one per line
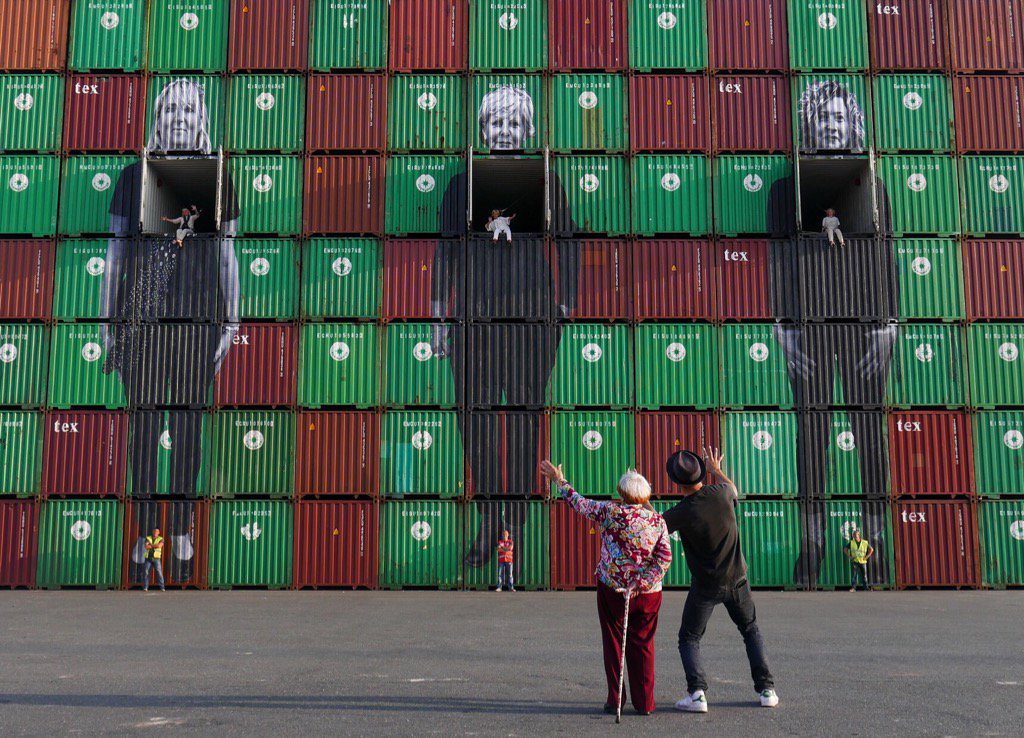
point(758, 280)
point(994, 279)
point(587, 34)
point(344, 194)
point(26, 279)
point(504, 448)
point(85, 454)
point(930, 454)
point(575, 548)
point(748, 34)
point(175, 519)
point(260, 366)
point(909, 34)
point(337, 454)
point(333, 119)
point(604, 287)
point(428, 34)
point(409, 274)
point(674, 280)
point(659, 435)
point(335, 544)
point(33, 34)
point(669, 112)
point(988, 35)
point(936, 544)
point(104, 112)
point(751, 113)
point(989, 113)
point(268, 34)
point(19, 533)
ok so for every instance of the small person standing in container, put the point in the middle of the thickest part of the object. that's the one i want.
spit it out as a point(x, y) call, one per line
point(506, 550)
point(154, 560)
point(858, 552)
point(830, 225)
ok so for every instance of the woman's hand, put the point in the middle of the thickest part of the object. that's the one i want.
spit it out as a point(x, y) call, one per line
point(552, 473)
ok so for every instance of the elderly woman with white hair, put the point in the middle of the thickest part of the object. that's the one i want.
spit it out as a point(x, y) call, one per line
point(635, 554)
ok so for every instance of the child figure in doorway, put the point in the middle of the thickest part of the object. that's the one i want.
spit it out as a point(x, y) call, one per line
point(830, 224)
point(184, 223)
point(499, 224)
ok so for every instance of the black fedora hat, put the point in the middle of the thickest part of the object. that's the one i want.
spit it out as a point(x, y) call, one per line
point(685, 468)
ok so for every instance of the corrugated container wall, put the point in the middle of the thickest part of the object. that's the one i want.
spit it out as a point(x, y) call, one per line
point(930, 454)
point(928, 279)
point(908, 35)
point(913, 112)
point(528, 524)
point(34, 33)
point(80, 544)
point(1001, 530)
point(748, 35)
point(19, 533)
point(665, 35)
point(497, 377)
point(31, 112)
point(421, 545)
point(107, 34)
point(85, 454)
point(575, 548)
point(994, 279)
point(587, 34)
point(177, 520)
point(188, 35)
point(268, 278)
point(677, 365)
point(260, 366)
point(253, 454)
point(827, 35)
point(770, 534)
point(337, 453)
point(762, 447)
point(588, 112)
point(265, 112)
point(341, 278)
point(993, 350)
point(251, 544)
point(344, 194)
point(595, 447)
point(508, 35)
point(922, 193)
point(421, 454)
point(671, 194)
point(428, 34)
point(669, 112)
point(338, 365)
point(989, 113)
point(936, 544)
point(333, 123)
point(674, 280)
point(751, 113)
point(502, 450)
point(348, 35)
point(24, 350)
point(104, 113)
point(828, 529)
point(659, 435)
point(988, 35)
point(999, 453)
point(26, 283)
point(993, 193)
point(268, 34)
point(21, 453)
point(30, 197)
point(336, 544)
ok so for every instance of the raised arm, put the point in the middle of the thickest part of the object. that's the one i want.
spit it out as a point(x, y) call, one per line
point(590, 509)
point(714, 459)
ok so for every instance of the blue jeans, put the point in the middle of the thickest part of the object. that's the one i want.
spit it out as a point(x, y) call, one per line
point(860, 573)
point(149, 564)
point(505, 576)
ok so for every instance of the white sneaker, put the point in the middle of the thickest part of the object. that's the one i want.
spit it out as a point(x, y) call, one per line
point(769, 698)
point(695, 702)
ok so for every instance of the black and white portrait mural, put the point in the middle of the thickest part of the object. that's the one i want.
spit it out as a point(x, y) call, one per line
point(830, 118)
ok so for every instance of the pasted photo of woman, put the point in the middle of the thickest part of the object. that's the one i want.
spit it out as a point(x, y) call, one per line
point(831, 118)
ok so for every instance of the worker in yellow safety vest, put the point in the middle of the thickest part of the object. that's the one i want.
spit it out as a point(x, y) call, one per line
point(858, 552)
point(154, 560)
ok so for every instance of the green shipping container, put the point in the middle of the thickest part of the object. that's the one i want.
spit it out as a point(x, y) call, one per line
point(28, 194)
point(531, 566)
point(770, 535)
point(595, 449)
point(930, 279)
point(742, 188)
point(997, 368)
point(830, 35)
point(188, 35)
point(922, 192)
point(993, 194)
point(177, 87)
point(508, 34)
point(168, 480)
point(843, 474)
point(80, 544)
point(678, 574)
point(420, 545)
point(588, 112)
point(31, 112)
point(427, 112)
point(753, 367)
point(21, 453)
point(913, 112)
point(77, 357)
point(24, 350)
point(268, 277)
point(341, 278)
point(671, 194)
point(810, 91)
point(668, 34)
point(498, 101)
point(86, 190)
point(338, 364)
point(421, 454)
point(927, 366)
point(596, 190)
point(841, 518)
point(269, 190)
point(413, 374)
point(761, 448)
point(348, 34)
point(677, 365)
point(251, 544)
point(266, 112)
point(1001, 529)
point(78, 279)
point(593, 366)
point(416, 186)
point(999, 453)
point(253, 453)
point(107, 34)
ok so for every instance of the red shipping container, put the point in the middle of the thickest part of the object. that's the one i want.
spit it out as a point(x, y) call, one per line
point(337, 453)
point(410, 268)
point(909, 34)
point(994, 280)
point(334, 122)
point(748, 34)
point(930, 454)
point(669, 112)
point(587, 34)
point(19, 534)
point(750, 271)
point(428, 34)
point(335, 544)
point(344, 194)
point(674, 280)
point(33, 34)
point(260, 366)
point(936, 544)
point(989, 113)
point(751, 113)
point(104, 112)
point(988, 35)
point(505, 447)
point(175, 519)
point(268, 34)
point(575, 548)
point(26, 279)
point(85, 454)
point(604, 286)
point(659, 435)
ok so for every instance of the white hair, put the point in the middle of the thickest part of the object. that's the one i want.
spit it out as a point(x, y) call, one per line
point(634, 488)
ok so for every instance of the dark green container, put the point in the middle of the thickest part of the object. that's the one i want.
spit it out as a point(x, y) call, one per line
point(188, 35)
point(844, 476)
point(78, 279)
point(416, 186)
point(589, 112)
point(268, 278)
point(827, 35)
point(212, 89)
point(31, 112)
point(251, 544)
point(593, 366)
point(107, 34)
point(28, 194)
point(1001, 529)
point(677, 365)
point(596, 190)
point(810, 91)
point(421, 454)
point(671, 194)
point(77, 379)
point(913, 112)
point(753, 367)
point(927, 366)
point(997, 367)
point(341, 278)
point(922, 192)
point(266, 112)
point(993, 194)
point(79, 544)
point(338, 364)
point(24, 350)
point(497, 102)
point(508, 35)
point(21, 453)
point(168, 479)
point(742, 188)
point(678, 574)
point(930, 279)
point(840, 519)
point(348, 34)
point(86, 190)
point(426, 112)
point(770, 535)
point(668, 34)
point(761, 448)
point(420, 544)
point(253, 453)
point(269, 190)
point(413, 374)
point(531, 565)
point(999, 453)
point(595, 449)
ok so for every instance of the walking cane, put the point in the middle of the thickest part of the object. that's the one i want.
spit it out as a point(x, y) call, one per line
point(622, 663)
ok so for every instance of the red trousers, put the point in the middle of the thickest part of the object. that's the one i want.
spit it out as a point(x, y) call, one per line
point(643, 622)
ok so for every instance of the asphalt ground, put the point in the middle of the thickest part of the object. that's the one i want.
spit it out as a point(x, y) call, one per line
point(259, 663)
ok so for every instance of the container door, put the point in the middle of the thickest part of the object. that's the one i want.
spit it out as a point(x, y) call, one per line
point(220, 189)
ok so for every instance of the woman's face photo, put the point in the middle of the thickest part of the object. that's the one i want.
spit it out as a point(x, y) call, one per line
point(179, 119)
point(833, 126)
point(506, 118)
point(504, 130)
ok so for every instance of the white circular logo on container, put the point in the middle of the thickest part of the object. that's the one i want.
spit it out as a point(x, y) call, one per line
point(18, 182)
point(924, 352)
point(420, 530)
point(845, 441)
point(253, 440)
point(670, 182)
point(110, 20)
point(917, 182)
point(165, 440)
point(8, 353)
point(588, 100)
point(101, 182)
point(1008, 351)
point(762, 440)
point(508, 21)
point(675, 352)
point(759, 352)
point(1017, 530)
point(24, 101)
point(260, 267)
point(592, 353)
point(422, 440)
point(667, 21)
point(422, 351)
point(827, 21)
point(339, 351)
point(341, 266)
point(425, 183)
point(998, 183)
point(912, 101)
point(592, 440)
point(95, 266)
point(1013, 440)
point(427, 101)
point(589, 182)
point(265, 100)
point(189, 21)
point(91, 351)
point(80, 530)
point(262, 183)
point(921, 266)
point(848, 528)
point(753, 183)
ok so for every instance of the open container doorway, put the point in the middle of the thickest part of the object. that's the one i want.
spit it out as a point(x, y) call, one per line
point(843, 183)
point(172, 183)
point(515, 184)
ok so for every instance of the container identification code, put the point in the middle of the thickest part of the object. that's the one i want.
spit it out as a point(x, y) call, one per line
point(421, 513)
point(421, 423)
point(254, 423)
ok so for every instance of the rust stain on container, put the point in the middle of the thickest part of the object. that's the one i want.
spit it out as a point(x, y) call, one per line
point(936, 544)
point(344, 194)
point(428, 34)
point(177, 519)
point(85, 454)
point(268, 34)
point(575, 548)
point(751, 113)
point(104, 112)
point(603, 290)
point(988, 35)
point(674, 280)
point(336, 544)
point(994, 279)
point(748, 34)
point(669, 111)
point(587, 34)
point(19, 535)
point(34, 34)
point(337, 454)
point(26, 279)
point(907, 35)
point(758, 280)
point(419, 271)
point(989, 113)
point(334, 123)
point(930, 454)
point(260, 366)
point(659, 435)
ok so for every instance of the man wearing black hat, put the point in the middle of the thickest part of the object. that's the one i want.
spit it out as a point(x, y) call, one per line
point(706, 522)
